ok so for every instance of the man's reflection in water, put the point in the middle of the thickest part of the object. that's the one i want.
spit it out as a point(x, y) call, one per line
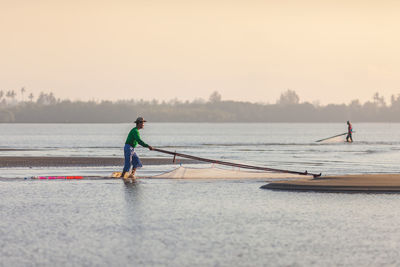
point(133, 217)
point(132, 192)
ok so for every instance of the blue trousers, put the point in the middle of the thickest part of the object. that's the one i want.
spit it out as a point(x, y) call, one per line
point(131, 158)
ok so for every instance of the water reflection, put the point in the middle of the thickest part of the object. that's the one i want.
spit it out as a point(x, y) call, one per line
point(132, 191)
point(135, 209)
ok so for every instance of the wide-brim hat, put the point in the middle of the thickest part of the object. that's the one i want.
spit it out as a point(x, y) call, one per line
point(140, 119)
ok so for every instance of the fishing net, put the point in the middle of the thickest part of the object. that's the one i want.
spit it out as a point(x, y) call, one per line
point(337, 139)
point(220, 173)
point(340, 138)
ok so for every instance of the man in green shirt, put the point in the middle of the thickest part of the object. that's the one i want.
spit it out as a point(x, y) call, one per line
point(131, 158)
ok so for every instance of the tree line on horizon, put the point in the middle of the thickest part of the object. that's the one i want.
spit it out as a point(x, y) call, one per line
point(288, 108)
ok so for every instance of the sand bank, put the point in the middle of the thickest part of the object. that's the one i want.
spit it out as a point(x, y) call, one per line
point(366, 183)
point(9, 162)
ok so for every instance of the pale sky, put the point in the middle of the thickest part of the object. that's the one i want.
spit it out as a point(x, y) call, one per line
point(250, 50)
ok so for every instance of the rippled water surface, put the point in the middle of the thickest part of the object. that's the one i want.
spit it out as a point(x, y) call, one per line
point(282, 145)
point(198, 223)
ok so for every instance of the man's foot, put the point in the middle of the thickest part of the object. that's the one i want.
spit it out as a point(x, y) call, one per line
point(132, 174)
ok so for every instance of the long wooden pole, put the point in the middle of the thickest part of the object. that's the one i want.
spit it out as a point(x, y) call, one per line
point(245, 166)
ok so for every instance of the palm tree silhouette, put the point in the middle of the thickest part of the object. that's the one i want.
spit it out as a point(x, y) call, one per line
point(22, 93)
point(11, 94)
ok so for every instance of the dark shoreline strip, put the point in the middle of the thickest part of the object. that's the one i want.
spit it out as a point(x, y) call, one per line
point(10, 162)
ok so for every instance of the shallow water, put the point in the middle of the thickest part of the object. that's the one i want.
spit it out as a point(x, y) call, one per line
point(186, 223)
point(199, 223)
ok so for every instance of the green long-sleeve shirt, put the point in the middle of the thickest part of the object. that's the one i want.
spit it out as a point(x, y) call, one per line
point(134, 138)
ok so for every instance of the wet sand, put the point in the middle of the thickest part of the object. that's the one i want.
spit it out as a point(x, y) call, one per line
point(9, 162)
point(365, 183)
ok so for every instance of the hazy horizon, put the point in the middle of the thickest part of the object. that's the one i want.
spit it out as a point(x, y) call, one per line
point(326, 51)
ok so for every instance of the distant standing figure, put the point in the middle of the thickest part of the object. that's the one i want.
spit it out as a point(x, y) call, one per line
point(131, 158)
point(349, 132)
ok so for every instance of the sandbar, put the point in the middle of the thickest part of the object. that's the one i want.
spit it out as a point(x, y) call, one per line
point(365, 183)
point(10, 162)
